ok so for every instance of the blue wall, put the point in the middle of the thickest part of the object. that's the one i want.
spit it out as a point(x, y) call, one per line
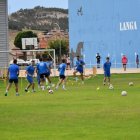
point(109, 27)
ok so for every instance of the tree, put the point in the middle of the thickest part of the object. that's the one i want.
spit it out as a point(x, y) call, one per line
point(56, 44)
point(23, 34)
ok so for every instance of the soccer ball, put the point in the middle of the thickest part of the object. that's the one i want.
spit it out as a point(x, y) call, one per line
point(111, 86)
point(51, 91)
point(97, 88)
point(123, 93)
point(131, 84)
point(48, 87)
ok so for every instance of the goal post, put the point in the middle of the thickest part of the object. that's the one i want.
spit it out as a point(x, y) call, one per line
point(46, 50)
point(15, 54)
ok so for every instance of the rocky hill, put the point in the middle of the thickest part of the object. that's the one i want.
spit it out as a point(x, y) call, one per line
point(39, 18)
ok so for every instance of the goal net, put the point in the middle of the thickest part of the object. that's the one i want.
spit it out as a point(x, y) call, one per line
point(24, 58)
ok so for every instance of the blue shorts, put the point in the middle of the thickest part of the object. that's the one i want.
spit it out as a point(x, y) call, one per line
point(62, 76)
point(43, 75)
point(48, 73)
point(80, 70)
point(13, 80)
point(30, 79)
point(107, 74)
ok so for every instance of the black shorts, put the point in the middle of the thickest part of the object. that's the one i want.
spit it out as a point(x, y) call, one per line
point(62, 76)
point(13, 80)
point(43, 75)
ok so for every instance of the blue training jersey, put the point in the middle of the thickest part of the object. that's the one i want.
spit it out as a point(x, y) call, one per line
point(42, 68)
point(79, 64)
point(107, 66)
point(13, 71)
point(62, 68)
point(30, 69)
point(49, 65)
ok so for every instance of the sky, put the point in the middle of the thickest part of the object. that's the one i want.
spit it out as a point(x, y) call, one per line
point(15, 5)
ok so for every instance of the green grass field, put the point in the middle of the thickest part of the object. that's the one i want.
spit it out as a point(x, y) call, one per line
point(80, 113)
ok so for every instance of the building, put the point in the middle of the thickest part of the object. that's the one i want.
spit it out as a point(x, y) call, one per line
point(44, 39)
point(4, 60)
point(110, 27)
point(42, 43)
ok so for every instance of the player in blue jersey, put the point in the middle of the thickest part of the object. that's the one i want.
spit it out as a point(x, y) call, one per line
point(38, 75)
point(12, 75)
point(43, 71)
point(61, 69)
point(79, 68)
point(38, 78)
point(30, 73)
point(49, 66)
point(106, 67)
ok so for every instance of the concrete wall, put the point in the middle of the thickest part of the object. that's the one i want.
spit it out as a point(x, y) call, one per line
point(109, 27)
point(4, 33)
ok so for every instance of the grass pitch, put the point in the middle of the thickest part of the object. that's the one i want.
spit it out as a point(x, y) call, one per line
point(80, 113)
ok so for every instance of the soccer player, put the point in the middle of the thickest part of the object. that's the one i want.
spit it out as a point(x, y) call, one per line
point(43, 71)
point(49, 66)
point(38, 75)
point(38, 78)
point(12, 74)
point(79, 68)
point(106, 67)
point(30, 72)
point(61, 69)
